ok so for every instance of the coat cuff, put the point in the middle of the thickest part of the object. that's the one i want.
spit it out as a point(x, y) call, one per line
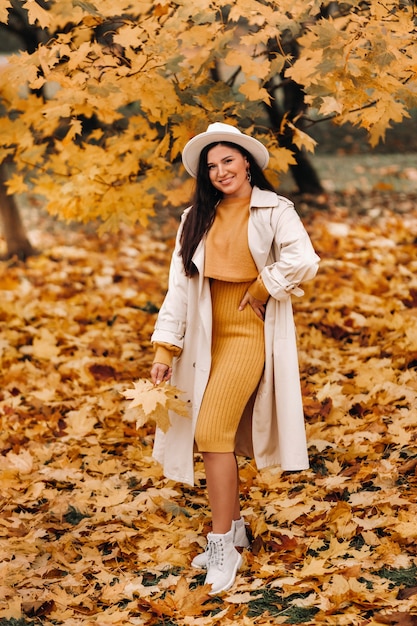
point(164, 353)
point(258, 290)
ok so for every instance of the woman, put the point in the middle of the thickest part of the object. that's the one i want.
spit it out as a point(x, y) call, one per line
point(225, 333)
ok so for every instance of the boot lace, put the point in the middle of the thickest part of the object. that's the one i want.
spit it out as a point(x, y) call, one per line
point(215, 553)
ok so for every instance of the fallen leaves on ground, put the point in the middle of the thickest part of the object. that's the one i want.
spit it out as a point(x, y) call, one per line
point(90, 530)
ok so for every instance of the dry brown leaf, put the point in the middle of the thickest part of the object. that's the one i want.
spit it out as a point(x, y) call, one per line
point(184, 601)
point(397, 619)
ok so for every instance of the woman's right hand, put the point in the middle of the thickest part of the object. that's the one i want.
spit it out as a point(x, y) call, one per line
point(160, 372)
point(257, 305)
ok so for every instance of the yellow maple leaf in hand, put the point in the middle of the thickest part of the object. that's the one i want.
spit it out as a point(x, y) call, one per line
point(153, 403)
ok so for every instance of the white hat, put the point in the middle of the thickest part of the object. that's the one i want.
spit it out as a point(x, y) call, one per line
point(216, 133)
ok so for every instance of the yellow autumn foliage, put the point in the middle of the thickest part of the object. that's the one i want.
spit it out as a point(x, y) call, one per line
point(127, 84)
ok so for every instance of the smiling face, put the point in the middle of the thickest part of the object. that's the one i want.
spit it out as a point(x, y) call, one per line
point(228, 171)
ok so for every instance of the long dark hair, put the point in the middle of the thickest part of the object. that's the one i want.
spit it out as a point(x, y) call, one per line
point(204, 202)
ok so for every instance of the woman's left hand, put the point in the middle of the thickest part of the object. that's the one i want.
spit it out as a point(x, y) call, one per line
point(257, 305)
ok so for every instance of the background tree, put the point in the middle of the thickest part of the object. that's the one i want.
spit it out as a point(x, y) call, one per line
point(129, 84)
point(17, 34)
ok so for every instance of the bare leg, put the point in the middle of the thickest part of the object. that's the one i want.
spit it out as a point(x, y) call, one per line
point(223, 489)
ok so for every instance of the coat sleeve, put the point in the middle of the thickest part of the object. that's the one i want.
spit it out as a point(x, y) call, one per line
point(294, 258)
point(171, 320)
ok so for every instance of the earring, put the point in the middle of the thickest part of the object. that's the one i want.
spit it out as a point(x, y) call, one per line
point(249, 175)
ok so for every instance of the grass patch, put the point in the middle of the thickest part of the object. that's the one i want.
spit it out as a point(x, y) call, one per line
point(274, 604)
point(401, 576)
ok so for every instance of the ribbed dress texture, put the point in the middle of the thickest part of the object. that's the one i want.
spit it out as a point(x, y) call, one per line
point(238, 348)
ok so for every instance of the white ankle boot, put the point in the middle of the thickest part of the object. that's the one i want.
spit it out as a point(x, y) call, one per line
point(223, 561)
point(240, 540)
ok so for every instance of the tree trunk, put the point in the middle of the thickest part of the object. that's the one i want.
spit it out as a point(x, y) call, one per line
point(17, 242)
point(303, 172)
point(293, 106)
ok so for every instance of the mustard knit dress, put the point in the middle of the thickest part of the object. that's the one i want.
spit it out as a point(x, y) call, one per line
point(238, 349)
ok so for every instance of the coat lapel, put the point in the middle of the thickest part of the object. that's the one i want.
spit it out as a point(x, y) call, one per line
point(260, 230)
point(198, 260)
point(204, 294)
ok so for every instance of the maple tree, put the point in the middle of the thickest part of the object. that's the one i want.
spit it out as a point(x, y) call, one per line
point(90, 530)
point(128, 84)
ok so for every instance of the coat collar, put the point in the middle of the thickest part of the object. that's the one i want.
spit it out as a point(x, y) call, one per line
point(262, 198)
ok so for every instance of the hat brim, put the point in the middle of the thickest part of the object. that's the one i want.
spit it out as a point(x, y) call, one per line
point(192, 150)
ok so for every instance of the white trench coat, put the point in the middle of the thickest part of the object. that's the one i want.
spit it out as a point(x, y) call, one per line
point(272, 429)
